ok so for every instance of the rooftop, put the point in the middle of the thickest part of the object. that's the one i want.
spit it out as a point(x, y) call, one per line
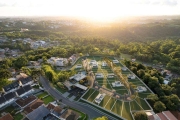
point(39, 113)
point(70, 115)
point(33, 106)
point(23, 102)
point(7, 117)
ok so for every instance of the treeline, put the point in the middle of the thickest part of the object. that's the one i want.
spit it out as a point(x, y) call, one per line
point(54, 77)
point(167, 98)
point(166, 52)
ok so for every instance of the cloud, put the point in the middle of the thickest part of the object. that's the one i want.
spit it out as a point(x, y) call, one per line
point(155, 2)
point(170, 2)
point(3, 5)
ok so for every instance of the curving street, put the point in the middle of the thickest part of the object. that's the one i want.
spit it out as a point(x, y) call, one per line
point(91, 112)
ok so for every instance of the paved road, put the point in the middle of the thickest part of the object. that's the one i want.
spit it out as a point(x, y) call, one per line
point(91, 113)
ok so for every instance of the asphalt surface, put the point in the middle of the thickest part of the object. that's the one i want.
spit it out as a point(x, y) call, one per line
point(91, 113)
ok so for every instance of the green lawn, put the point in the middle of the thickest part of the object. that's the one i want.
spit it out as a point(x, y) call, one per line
point(117, 108)
point(102, 110)
point(143, 95)
point(142, 103)
point(104, 101)
point(126, 111)
point(122, 92)
point(42, 95)
point(18, 116)
point(8, 109)
point(110, 104)
point(48, 99)
point(60, 89)
point(135, 106)
point(88, 93)
point(93, 96)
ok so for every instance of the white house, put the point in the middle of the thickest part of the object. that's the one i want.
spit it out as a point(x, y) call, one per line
point(124, 68)
point(60, 62)
point(141, 89)
point(78, 66)
point(110, 75)
point(131, 76)
point(117, 84)
point(99, 75)
point(104, 64)
point(94, 63)
point(115, 61)
point(99, 98)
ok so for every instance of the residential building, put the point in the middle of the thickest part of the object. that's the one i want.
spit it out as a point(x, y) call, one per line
point(11, 87)
point(70, 115)
point(38, 114)
point(23, 102)
point(22, 91)
point(7, 99)
point(59, 62)
point(33, 106)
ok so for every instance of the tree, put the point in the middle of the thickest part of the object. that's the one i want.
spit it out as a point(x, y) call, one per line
point(4, 74)
point(153, 97)
point(26, 70)
point(140, 116)
point(20, 62)
point(159, 106)
point(101, 118)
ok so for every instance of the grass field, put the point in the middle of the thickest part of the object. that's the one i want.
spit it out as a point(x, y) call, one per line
point(109, 103)
point(48, 99)
point(42, 95)
point(18, 116)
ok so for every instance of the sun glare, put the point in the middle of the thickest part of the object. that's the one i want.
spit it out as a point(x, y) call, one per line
point(100, 10)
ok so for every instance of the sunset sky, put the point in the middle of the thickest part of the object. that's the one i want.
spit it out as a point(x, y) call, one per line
point(95, 9)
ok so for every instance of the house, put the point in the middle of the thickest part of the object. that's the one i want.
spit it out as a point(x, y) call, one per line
point(26, 81)
point(73, 58)
point(99, 98)
point(33, 106)
point(70, 115)
point(117, 84)
point(104, 64)
point(93, 63)
point(152, 116)
point(38, 114)
point(21, 75)
point(22, 91)
point(115, 61)
point(7, 99)
point(124, 68)
point(141, 89)
point(78, 77)
point(55, 110)
point(74, 81)
point(11, 87)
point(166, 115)
point(78, 66)
point(7, 117)
point(131, 76)
point(59, 62)
point(110, 75)
point(133, 60)
point(23, 102)
point(99, 75)
point(2, 51)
